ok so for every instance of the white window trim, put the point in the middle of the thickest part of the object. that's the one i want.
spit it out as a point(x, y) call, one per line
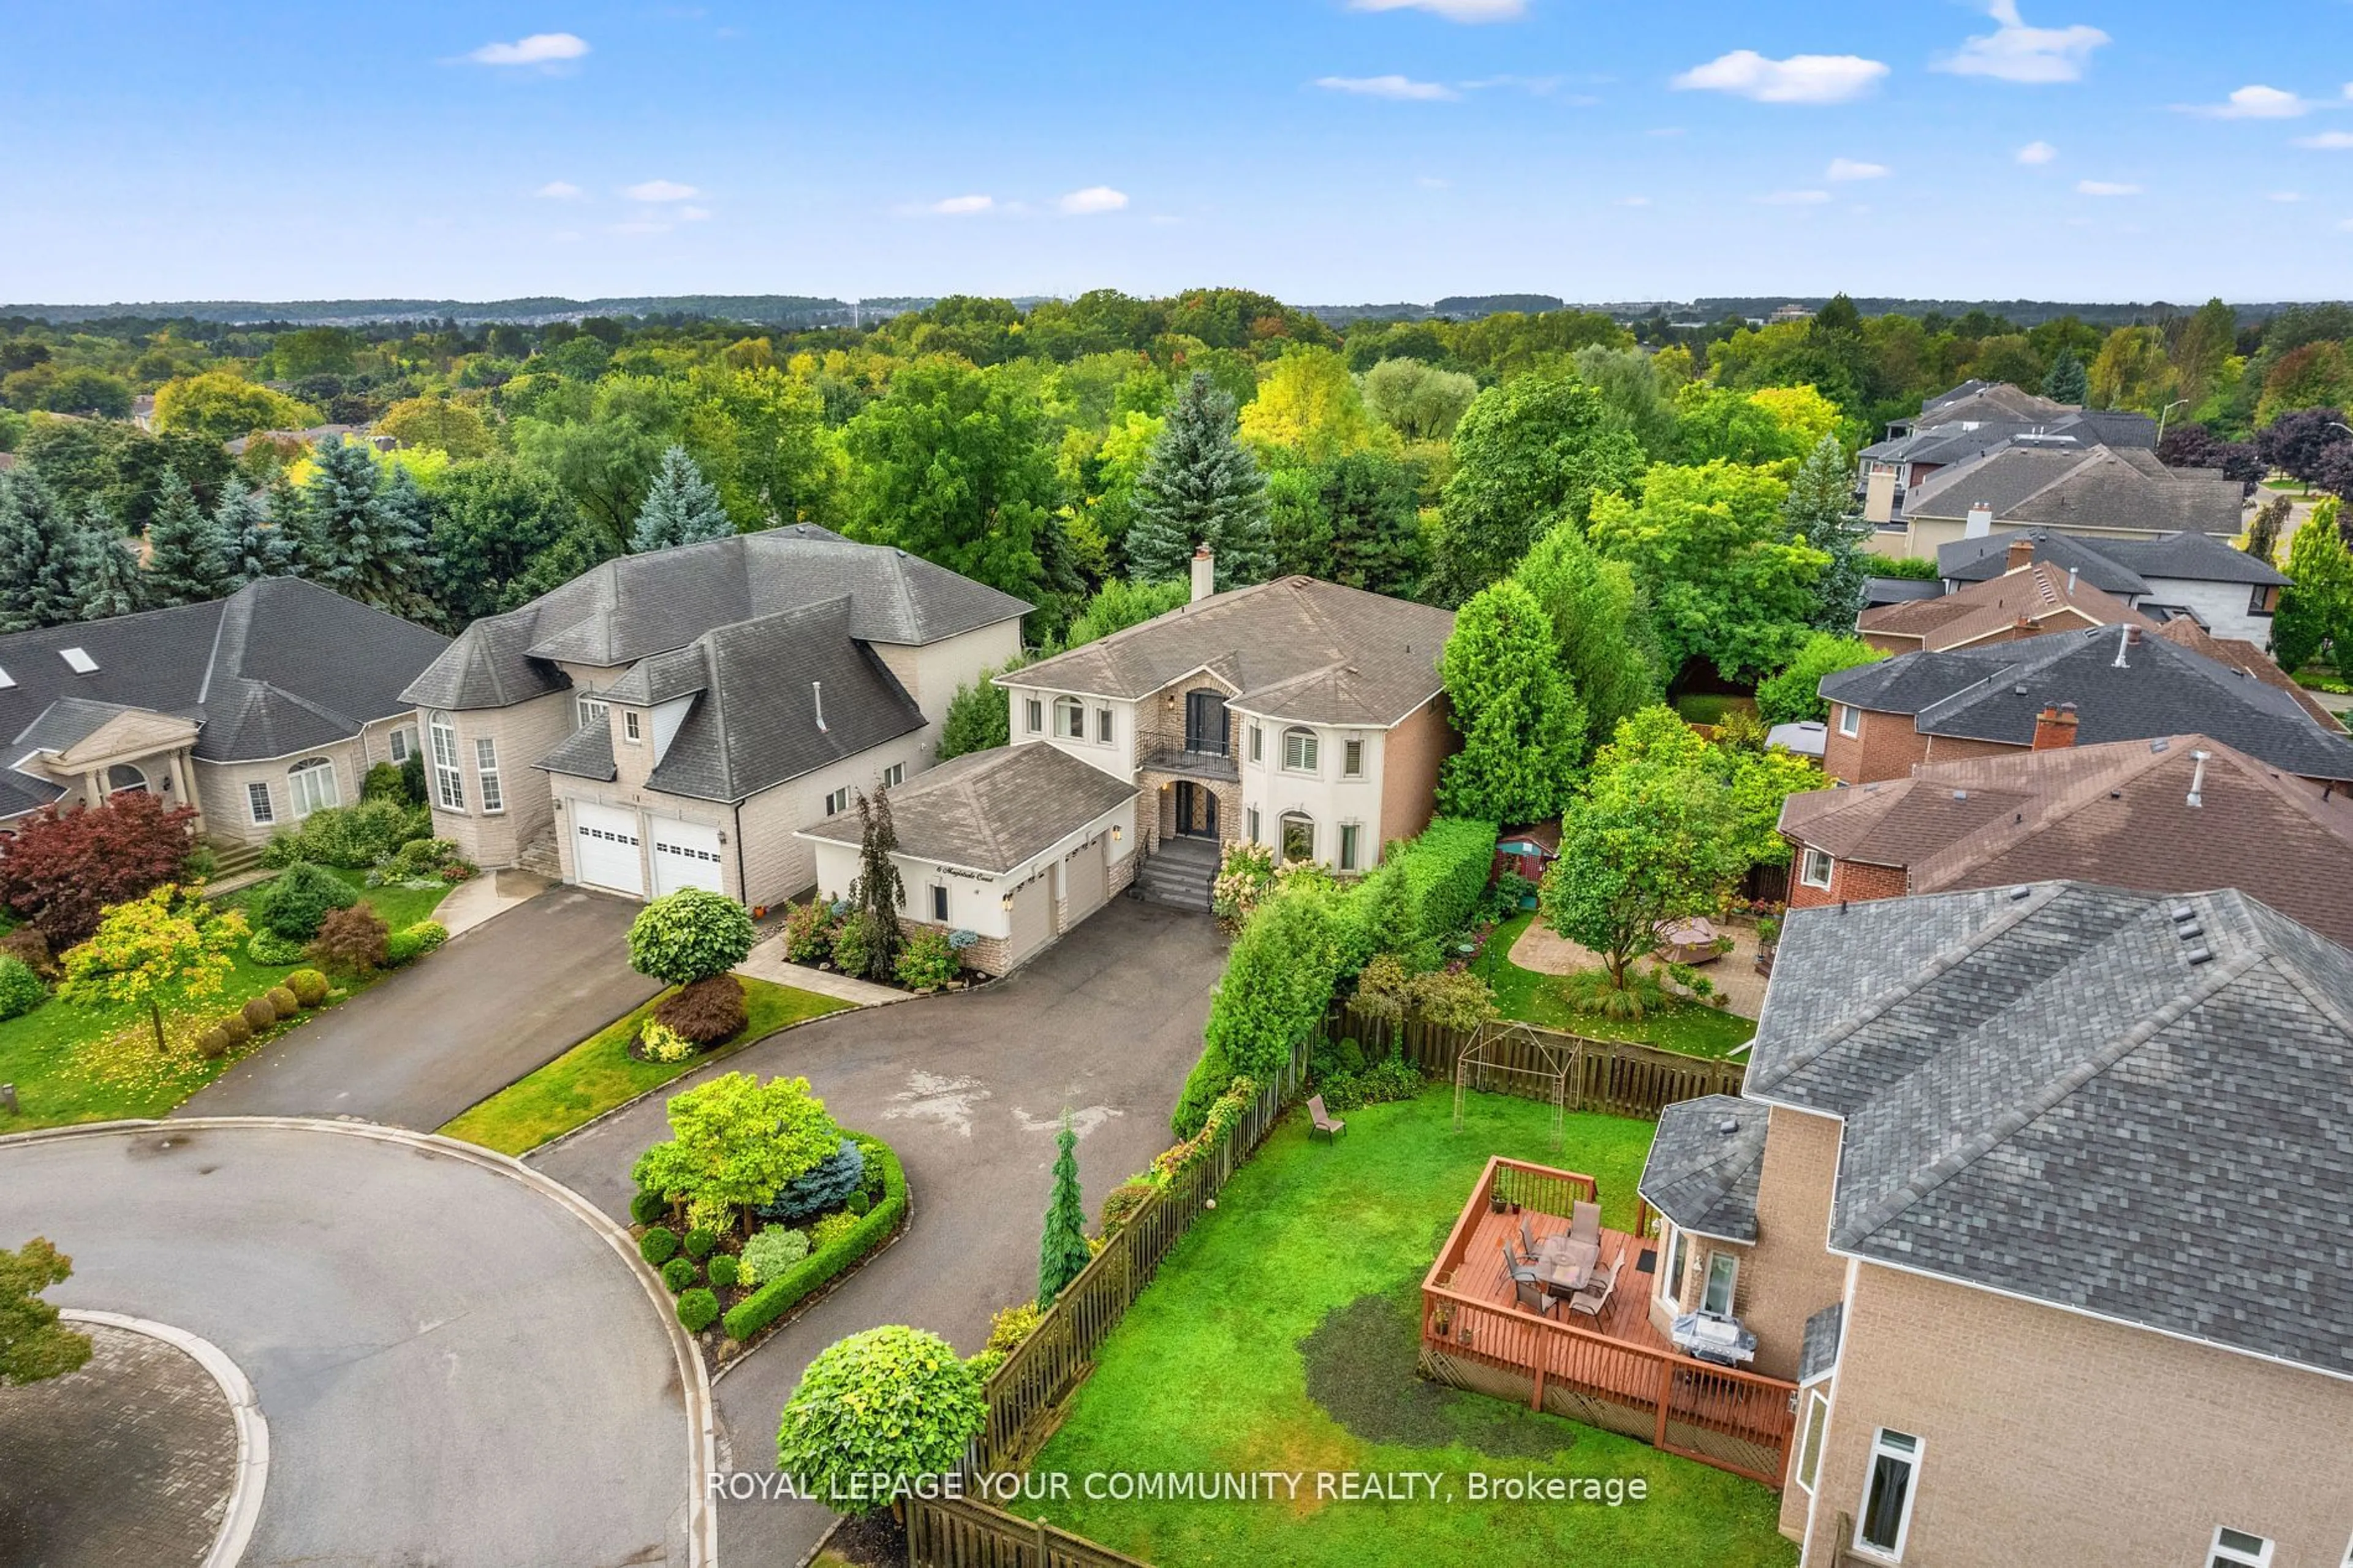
point(1257, 743)
point(592, 710)
point(1806, 868)
point(1350, 848)
point(2240, 1556)
point(1352, 758)
point(895, 775)
point(299, 791)
point(1069, 719)
point(1311, 752)
point(633, 728)
point(1813, 1435)
point(486, 775)
point(399, 745)
point(1282, 838)
point(1731, 1287)
point(449, 784)
point(1912, 1456)
point(1850, 719)
point(1033, 713)
point(1676, 1246)
point(940, 902)
point(261, 810)
point(1102, 726)
point(836, 801)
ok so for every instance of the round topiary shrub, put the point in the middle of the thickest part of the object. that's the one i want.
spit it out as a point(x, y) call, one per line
point(722, 1268)
point(295, 901)
point(235, 1026)
point(28, 947)
point(648, 1208)
point(21, 990)
point(258, 1013)
point(697, 1309)
point(892, 1402)
point(699, 1241)
point(270, 949)
point(657, 1246)
point(769, 1254)
point(213, 1043)
point(858, 1203)
point(309, 986)
point(690, 935)
point(415, 941)
point(707, 1012)
point(678, 1274)
point(283, 1000)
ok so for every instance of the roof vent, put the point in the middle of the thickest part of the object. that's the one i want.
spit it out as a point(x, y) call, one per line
point(79, 660)
point(2183, 912)
point(2018, 893)
point(816, 697)
point(2188, 929)
point(1960, 794)
point(2202, 954)
point(1728, 1126)
point(2019, 690)
point(2163, 743)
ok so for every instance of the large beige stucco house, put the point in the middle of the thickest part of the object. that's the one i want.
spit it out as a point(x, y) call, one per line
point(674, 719)
point(2039, 1193)
point(256, 709)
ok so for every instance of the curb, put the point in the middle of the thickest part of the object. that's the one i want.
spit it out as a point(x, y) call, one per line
point(244, 1509)
point(702, 1435)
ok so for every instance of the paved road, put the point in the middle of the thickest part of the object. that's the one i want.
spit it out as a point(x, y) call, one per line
point(497, 1002)
point(456, 1369)
point(969, 1089)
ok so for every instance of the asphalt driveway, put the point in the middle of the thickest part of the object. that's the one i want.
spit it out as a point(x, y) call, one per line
point(497, 1002)
point(457, 1368)
point(969, 1089)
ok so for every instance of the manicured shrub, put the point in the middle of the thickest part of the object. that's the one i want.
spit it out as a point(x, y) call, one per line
point(690, 935)
point(734, 1143)
point(658, 1042)
point(384, 783)
point(707, 1012)
point(235, 1026)
point(895, 1402)
point(297, 902)
point(697, 1309)
point(28, 947)
point(1393, 1079)
point(926, 962)
point(822, 1187)
point(853, 942)
point(678, 1274)
point(309, 986)
point(699, 1241)
point(830, 1229)
point(1008, 1328)
point(353, 941)
point(283, 1000)
point(647, 1208)
point(213, 1043)
point(415, 941)
point(767, 1254)
point(271, 950)
point(21, 990)
point(808, 932)
point(657, 1246)
point(722, 1269)
point(352, 836)
point(778, 1293)
point(1124, 1203)
point(858, 1203)
point(258, 1013)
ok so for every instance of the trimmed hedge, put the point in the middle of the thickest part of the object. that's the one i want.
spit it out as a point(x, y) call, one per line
point(778, 1295)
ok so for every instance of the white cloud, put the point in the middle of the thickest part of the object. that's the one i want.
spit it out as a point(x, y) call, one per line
point(1794, 198)
point(963, 207)
point(2251, 102)
point(1848, 168)
point(539, 49)
point(1391, 85)
point(660, 191)
point(2016, 52)
point(1452, 10)
point(693, 215)
point(1093, 199)
point(558, 191)
point(1800, 78)
point(2328, 141)
point(2037, 152)
point(2105, 188)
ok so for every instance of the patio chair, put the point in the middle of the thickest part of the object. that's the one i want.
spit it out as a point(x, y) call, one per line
point(1528, 1243)
point(1596, 1295)
point(1322, 1120)
point(1531, 1294)
point(1585, 1223)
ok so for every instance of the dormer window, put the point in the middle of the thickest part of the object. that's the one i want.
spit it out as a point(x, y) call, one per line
point(79, 660)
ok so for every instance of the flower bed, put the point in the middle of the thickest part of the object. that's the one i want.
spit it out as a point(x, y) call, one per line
point(827, 937)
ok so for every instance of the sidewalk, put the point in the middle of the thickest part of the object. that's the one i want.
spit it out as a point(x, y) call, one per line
point(490, 894)
point(767, 962)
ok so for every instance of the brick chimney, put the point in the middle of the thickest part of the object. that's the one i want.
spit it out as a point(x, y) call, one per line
point(2022, 554)
point(2054, 727)
point(1205, 574)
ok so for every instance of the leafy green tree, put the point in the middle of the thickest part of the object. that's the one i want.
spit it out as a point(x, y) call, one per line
point(1719, 424)
point(1062, 1251)
point(1522, 725)
point(1820, 511)
point(1308, 405)
point(253, 546)
point(681, 507)
point(187, 553)
point(494, 521)
point(1706, 545)
point(2316, 610)
point(2131, 371)
point(2068, 382)
point(1370, 501)
point(1603, 639)
point(33, 1344)
point(877, 891)
point(605, 454)
point(108, 581)
point(39, 556)
point(1419, 401)
point(979, 716)
point(1120, 603)
point(1793, 695)
point(154, 951)
point(1199, 487)
point(221, 405)
point(690, 935)
point(438, 425)
point(876, 1411)
point(1528, 454)
point(1632, 392)
point(734, 1141)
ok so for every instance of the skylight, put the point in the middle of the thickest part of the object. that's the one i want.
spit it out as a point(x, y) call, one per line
point(79, 661)
point(6, 680)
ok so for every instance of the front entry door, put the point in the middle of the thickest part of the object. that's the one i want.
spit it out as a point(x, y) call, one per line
point(1197, 812)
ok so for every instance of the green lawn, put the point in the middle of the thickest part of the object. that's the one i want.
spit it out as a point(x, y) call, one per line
point(1710, 707)
point(599, 1073)
point(85, 1064)
point(1281, 1335)
point(1535, 998)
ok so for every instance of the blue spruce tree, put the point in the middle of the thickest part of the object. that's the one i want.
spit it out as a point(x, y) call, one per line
point(38, 551)
point(681, 509)
point(108, 581)
point(187, 553)
point(252, 547)
point(1198, 487)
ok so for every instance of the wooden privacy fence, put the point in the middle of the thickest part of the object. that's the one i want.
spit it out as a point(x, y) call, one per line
point(1614, 1075)
point(960, 1532)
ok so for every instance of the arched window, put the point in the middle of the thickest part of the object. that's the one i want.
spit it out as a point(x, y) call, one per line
point(1069, 719)
point(1298, 837)
point(311, 783)
point(1299, 751)
point(124, 779)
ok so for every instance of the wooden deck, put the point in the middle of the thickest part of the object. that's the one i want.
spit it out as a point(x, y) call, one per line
point(1615, 1371)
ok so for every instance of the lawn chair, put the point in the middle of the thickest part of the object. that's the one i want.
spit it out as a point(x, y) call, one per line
point(1324, 1121)
point(1533, 1297)
point(1596, 1295)
point(1585, 1223)
point(1528, 1239)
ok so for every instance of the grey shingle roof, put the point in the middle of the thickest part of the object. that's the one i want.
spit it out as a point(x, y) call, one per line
point(2098, 487)
point(1993, 693)
point(2127, 1104)
point(1294, 649)
point(1818, 1351)
point(1703, 1176)
point(279, 667)
point(634, 606)
point(587, 753)
point(1981, 559)
point(990, 811)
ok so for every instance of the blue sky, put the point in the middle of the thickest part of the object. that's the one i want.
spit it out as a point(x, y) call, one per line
point(1322, 150)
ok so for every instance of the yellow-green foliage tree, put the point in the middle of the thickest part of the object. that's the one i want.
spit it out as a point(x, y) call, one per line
point(734, 1143)
point(221, 405)
point(1309, 406)
point(438, 425)
point(157, 949)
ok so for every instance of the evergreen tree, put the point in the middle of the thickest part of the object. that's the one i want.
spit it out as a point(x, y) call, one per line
point(187, 553)
point(1522, 725)
point(400, 573)
point(1603, 637)
point(876, 893)
point(1063, 1252)
point(2068, 380)
point(2316, 611)
point(39, 547)
point(337, 515)
point(251, 546)
point(108, 581)
point(1199, 487)
point(682, 508)
point(1821, 510)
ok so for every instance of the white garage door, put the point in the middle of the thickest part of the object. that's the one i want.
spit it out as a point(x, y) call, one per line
point(1033, 917)
point(686, 854)
point(605, 848)
point(1084, 881)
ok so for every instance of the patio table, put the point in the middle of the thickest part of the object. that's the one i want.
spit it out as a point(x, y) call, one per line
point(1571, 1267)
